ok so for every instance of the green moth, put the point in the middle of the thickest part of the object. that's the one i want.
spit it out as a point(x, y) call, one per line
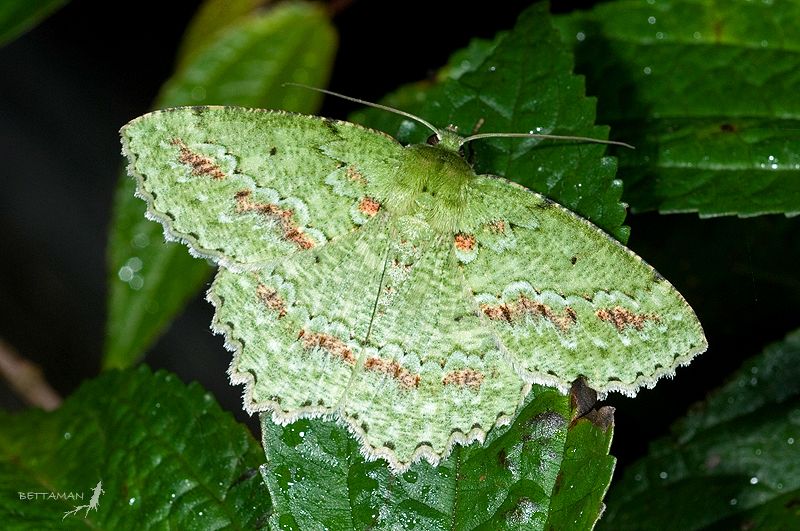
point(391, 287)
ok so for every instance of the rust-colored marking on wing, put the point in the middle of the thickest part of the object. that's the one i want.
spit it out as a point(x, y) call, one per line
point(369, 206)
point(354, 175)
point(271, 299)
point(393, 369)
point(283, 216)
point(497, 227)
point(464, 242)
point(524, 306)
point(332, 344)
point(622, 317)
point(200, 164)
point(464, 378)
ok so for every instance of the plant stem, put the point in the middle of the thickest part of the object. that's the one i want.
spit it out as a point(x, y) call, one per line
point(26, 379)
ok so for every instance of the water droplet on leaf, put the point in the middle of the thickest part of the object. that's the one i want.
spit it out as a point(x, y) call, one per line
point(135, 263)
point(125, 273)
point(141, 240)
point(137, 282)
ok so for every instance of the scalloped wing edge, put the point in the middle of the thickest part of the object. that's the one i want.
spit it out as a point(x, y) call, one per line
point(369, 452)
point(629, 390)
point(153, 214)
point(647, 382)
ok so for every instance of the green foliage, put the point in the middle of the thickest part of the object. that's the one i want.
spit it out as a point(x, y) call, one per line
point(737, 452)
point(246, 64)
point(212, 19)
point(520, 82)
point(18, 16)
point(706, 91)
point(167, 456)
point(586, 471)
point(531, 475)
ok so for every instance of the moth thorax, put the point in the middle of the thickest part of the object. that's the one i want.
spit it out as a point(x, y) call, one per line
point(437, 171)
point(433, 182)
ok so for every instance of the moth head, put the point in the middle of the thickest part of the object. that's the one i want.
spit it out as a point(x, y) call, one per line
point(447, 139)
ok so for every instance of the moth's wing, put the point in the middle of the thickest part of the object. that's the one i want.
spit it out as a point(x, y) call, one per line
point(297, 325)
point(244, 186)
point(376, 328)
point(432, 374)
point(566, 300)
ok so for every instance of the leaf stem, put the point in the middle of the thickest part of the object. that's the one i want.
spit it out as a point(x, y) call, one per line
point(26, 379)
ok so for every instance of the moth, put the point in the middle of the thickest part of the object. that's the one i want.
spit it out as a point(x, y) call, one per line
point(391, 287)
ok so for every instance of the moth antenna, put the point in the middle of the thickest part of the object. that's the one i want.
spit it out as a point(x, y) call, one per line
point(537, 135)
point(369, 104)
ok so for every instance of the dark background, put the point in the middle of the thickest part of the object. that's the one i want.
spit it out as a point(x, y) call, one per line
point(69, 84)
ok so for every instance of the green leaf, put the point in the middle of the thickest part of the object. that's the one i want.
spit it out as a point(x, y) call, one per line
point(707, 92)
point(738, 452)
point(520, 82)
point(539, 473)
point(167, 456)
point(18, 16)
point(149, 280)
point(212, 19)
point(585, 473)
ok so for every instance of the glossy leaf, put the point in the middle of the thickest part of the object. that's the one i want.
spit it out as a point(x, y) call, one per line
point(585, 473)
point(707, 92)
point(150, 281)
point(18, 16)
point(737, 452)
point(520, 82)
point(167, 456)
